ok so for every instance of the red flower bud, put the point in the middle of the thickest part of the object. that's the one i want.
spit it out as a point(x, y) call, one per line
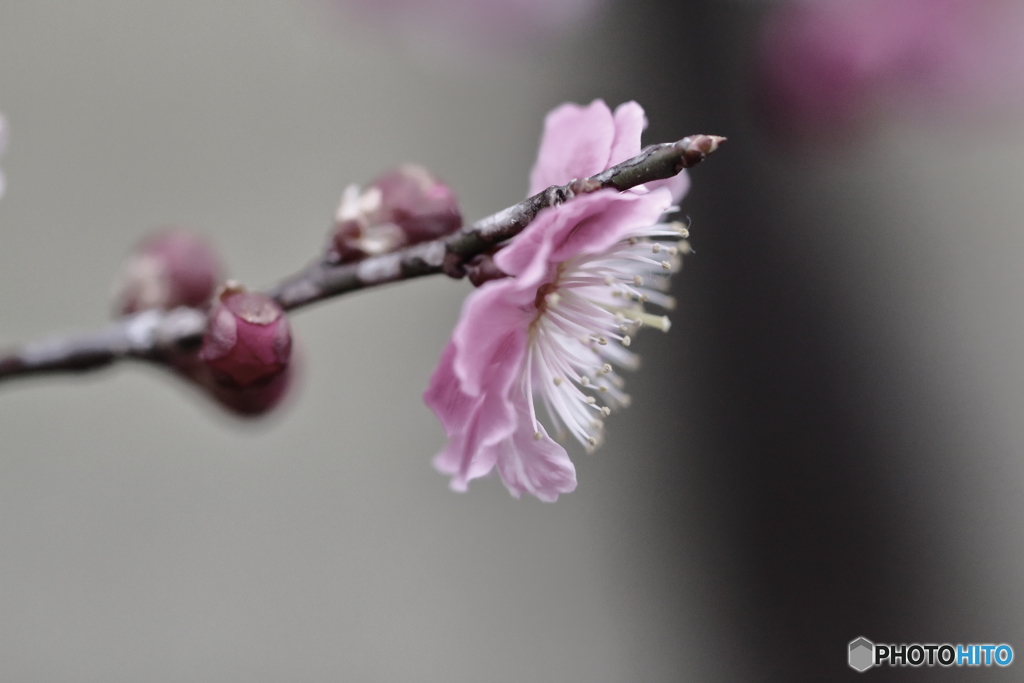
point(256, 399)
point(404, 206)
point(248, 341)
point(169, 269)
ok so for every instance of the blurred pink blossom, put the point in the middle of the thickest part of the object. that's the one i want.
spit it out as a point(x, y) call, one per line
point(406, 205)
point(832, 63)
point(171, 268)
point(487, 23)
point(552, 332)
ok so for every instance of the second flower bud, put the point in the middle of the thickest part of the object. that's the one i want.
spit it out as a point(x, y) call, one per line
point(404, 206)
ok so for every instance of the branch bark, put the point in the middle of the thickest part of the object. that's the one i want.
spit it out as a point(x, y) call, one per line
point(323, 280)
point(158, 335)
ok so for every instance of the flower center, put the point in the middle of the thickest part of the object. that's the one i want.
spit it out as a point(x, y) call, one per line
point(545, 290)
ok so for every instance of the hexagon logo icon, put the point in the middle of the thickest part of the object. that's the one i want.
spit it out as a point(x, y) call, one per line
point(862, 654)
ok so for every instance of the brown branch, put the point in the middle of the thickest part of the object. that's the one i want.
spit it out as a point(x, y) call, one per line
point(158, 335)
point(149, 335)
point(323, 280)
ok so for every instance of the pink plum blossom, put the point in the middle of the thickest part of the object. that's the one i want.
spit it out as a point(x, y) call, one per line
point(551, 335)
point(171, 268)
point(829, 64)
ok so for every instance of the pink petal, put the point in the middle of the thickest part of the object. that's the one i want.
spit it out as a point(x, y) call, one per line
point(463, 459)
point(587, 224)
point(490, 336)
point(630, 122)
point(677, 185)
point(577, 143)
point(603, 226)
point(444, 396)
point(536, 466)
point(527, 256)
point(475, 425)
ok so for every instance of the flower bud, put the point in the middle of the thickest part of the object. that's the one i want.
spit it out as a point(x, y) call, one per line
point(404, 206)
point(248, 341)
point(169, 269)
point(256, 399)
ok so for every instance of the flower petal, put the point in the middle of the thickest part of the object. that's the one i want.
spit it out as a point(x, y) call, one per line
point(629, 124)
point(678, 185)
point(586, 224)
point(536, 466)
point(577, 143)
point(474, 424)
point(607, 222)
point(445, 397)
point(490, 336)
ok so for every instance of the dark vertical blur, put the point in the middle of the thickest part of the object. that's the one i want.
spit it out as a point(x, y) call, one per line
point(806, 480)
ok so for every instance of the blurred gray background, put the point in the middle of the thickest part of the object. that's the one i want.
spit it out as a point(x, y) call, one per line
point(827, 445)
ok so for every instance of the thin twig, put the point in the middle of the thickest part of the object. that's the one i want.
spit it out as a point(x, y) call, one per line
point(323, 280)
point(149, 335)
point(158, 335)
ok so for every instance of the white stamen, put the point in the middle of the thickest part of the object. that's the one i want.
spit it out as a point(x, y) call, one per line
point(594, 299)
point(660, 322)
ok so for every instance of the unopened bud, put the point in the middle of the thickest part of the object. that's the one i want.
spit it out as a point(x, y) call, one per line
point(404, 206)
point(248, 341)
point(169, 269)
point(254, 400)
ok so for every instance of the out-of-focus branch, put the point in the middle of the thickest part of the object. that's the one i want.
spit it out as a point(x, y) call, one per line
point(149, 335)
point(158, 335)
